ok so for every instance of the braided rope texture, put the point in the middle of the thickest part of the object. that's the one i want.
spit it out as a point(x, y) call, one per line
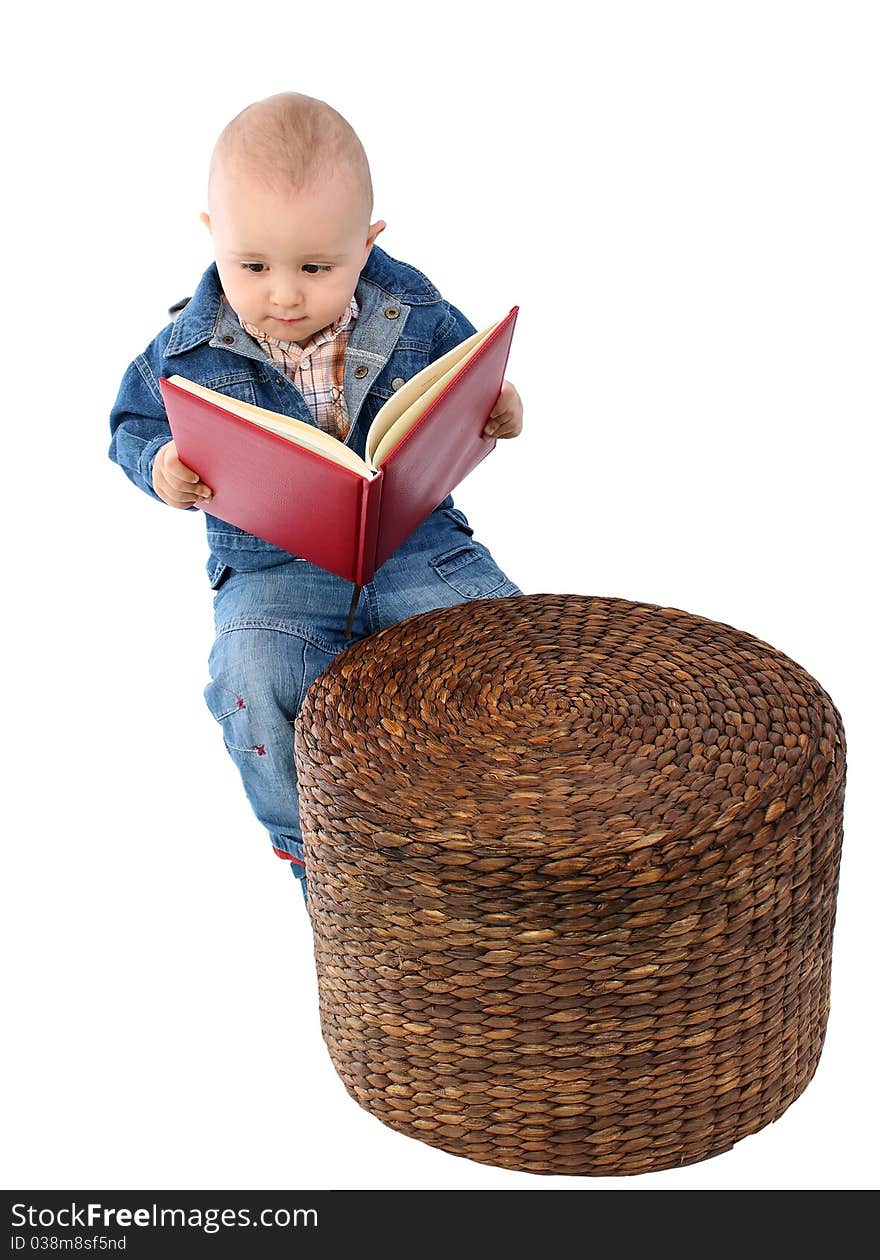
point(573, 868)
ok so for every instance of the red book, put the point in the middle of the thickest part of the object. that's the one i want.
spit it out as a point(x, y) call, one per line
point(305, 491)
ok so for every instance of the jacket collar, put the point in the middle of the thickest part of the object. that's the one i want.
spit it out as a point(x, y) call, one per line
point(206, 319)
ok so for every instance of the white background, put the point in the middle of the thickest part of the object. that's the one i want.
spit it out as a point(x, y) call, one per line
point(682, 198)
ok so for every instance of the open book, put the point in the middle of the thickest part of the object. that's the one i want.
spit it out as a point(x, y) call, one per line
point(303, 490)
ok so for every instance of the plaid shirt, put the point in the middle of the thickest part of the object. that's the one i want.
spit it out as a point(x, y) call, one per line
point(316, 368)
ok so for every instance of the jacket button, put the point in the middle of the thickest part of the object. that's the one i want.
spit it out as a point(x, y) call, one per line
point(361, 371)
point(227, 340)
point(392, 312)
point(397, 382)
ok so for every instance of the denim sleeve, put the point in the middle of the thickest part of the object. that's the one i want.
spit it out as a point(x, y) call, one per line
point(452, 332)
point(139, 426)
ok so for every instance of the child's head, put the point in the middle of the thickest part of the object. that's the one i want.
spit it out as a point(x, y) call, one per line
point(289, 206)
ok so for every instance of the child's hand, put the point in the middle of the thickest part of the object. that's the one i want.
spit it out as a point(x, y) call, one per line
point(174, 482)
point(505, 418)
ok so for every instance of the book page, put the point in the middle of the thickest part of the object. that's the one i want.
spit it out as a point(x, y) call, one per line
point(401, 411)
point(296, 431)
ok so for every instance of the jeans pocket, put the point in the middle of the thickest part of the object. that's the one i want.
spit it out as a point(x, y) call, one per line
point(470, 571)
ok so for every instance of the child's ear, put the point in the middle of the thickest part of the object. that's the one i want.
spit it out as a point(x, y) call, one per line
point(204, 218)
point(375, 228)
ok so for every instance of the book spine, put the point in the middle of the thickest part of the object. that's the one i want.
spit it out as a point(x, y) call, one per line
point(368, 532)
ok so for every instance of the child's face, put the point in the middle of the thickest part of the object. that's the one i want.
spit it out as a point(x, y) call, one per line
point(292, 257)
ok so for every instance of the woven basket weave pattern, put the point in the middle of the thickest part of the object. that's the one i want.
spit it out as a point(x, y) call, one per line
point(573, 867)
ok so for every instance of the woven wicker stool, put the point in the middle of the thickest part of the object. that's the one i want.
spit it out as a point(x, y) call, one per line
point(573, 870)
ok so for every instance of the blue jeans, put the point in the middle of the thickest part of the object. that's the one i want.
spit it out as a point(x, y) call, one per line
point(279, 628)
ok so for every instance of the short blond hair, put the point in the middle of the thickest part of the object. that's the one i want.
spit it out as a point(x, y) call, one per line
point(290, 141)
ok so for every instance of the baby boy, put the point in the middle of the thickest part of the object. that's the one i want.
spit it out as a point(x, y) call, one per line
point(300, 313)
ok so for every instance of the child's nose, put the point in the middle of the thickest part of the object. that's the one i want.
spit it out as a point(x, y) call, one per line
point(287, 294)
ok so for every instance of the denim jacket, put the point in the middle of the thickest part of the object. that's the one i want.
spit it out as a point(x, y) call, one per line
point(403, 325)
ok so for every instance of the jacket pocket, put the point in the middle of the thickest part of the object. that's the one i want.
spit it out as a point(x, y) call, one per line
point(238, 385)
point(403, 365)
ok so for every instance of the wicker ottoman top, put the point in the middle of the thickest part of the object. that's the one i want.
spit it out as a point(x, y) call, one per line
point(511, 726)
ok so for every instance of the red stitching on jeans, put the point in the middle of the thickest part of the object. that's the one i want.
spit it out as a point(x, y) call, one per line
point(239, 700)
point(259, 749)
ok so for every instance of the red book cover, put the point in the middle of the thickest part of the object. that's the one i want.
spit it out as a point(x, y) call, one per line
point(444, 445)
point(304, 502)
